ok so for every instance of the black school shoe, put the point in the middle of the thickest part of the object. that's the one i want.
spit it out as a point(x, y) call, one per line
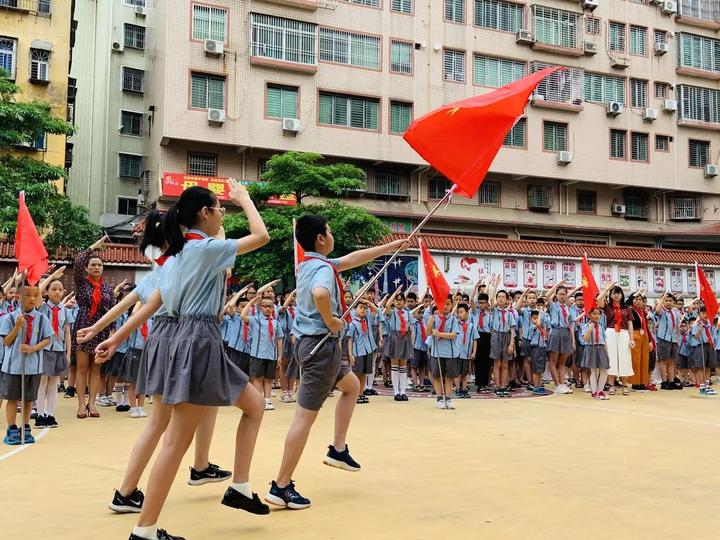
point(41, 421)
point(210, 475)
point(286, 496)
point(70, 392)
point(51, 422)
point(398, 397)
point(235, 499)
point(162, 534)
point(341, 460)
point(132, 504)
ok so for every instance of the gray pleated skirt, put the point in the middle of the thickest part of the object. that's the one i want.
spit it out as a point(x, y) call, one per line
point(594, 357)
point(184, 360)
point(399, 346)
point(54, 363)
point(560, 341)
point(130, 366)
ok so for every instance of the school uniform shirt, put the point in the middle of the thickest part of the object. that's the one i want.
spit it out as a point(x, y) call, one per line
point(393, 321)
point(265, 333)
point(445, 347)
point(538, 336)
point(60, 318)
point(598, 333)
point(668, 325)
point(685, 347)
point(420, 342)
point(524, 322)
point(12, 359)
point(123, 348)
point(716, 338)
point(74, 314)
point(138, 336)
point(286, 319)
point(466, 338)
point(560, 315)
point(146, 287)
point(705, 334)
point(360, 330)
point(482, 320)
point(233, 333)
point(502, 320)
point(314, 273)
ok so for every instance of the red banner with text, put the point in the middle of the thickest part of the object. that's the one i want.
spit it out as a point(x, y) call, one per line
point(173, 184)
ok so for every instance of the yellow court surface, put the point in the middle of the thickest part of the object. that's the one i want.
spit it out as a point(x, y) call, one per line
point(642, 466)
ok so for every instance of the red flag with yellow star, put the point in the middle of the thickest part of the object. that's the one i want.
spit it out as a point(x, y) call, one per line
point(461, 140)
point(589, 286)
point(706, 294)
point(435, 278)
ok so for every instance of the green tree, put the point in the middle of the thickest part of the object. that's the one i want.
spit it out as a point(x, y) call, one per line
point(60, 222)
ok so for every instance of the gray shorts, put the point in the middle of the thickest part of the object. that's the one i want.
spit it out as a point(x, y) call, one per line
point(525, 348)
point(683, 362)
point(320, 373)
point(363, 365)
point(10, 386)
point(499, 343)
point(262, 369)
point(463, 366)
point(420, 359)
point(666, 350)
point(538, 358)
point(450, 367)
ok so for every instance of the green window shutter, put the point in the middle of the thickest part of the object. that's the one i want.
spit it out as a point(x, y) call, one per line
point(289, 102)
point(340, 111)
point(274, 102)
point(325, 110)
point(216, 93)
point(400, 117)
point(199, 90)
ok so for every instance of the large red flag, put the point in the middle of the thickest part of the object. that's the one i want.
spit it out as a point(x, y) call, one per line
point(29, 248)
point(589, 286)
point(706, 294)
point(298, 251)
point(461, 140)
point(435, 278)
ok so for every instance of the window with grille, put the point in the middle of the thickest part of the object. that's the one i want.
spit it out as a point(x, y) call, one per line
point(604, 88)
point(586, 202)
point(638, 40)
point(660, 36)
point(562, 86)
point(497, 72)
point(516, 136)
point(499, 15)
point(129, 166)
point(437, 187)
point(282, 101)
point(699, 52)
point(554, 136)
point(39, 65)
point(617, 37)
point(402, 6)
point(662, 143)
point(8, 48)
point(639, 146)
point(699, 153)
point(401, 57)
point(134, 36)
point(556, 26)
point(638, 93)
point(592, 25)
point(662, 90)
point(489, 194)
point(283, 39)
point(636, 206)
point(127, 206)
point(539, 197)
point(209, 23)
point(401, 115)
point(686, 208)
point(700, 104)
point(707, 10)
point(454, 65)
point(343, 47)
point(202, 164)
point(371, 3)
point(44, 7)
point(207, 92)
point(618, 140)
point(131, 123)
point(387, 183)
point(455, 11)
point(349, 111)
point(133, 80)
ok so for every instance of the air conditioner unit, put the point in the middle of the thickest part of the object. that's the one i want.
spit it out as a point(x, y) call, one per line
point(590, 47)
point(117, 46)
point(650, 114)
point(216, 116)
point(620, 62)
point(291, 124)
point(213, 48)
point(618, 209)
point(711, 170)
point(661, 48)
point(140, 11)
point(564, 157)
point(669, 7)
point(658, 2)
point(669, 105)
point(590, 4)
point(614, 108)
point(524, 36)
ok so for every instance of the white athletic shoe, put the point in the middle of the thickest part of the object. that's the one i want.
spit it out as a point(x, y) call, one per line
point(141, 412)
point(449, 404)
point(134, 412)
point(269, 406)
point(440, 404)
point(562, 389)
point(587, 389)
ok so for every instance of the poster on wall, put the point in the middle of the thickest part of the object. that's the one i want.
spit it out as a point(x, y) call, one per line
point(568, 274)
point(641, 277)
point(676, 280)
point(710, 275)
point(605, 275)
point(692, 281)
point(510, 273)
point(659, 284)
point(624, 276)
point(403, 271)
point(549, 274)
point(530, 274)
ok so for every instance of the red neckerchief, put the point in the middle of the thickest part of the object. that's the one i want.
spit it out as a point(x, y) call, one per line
point(292, 312)
point(161, 260)
point(55, 319)
point(503, 313)
point(643, 320)
point(481, 324)
point(28, 328)
point(597, 334)
point(271, 329)
point(363, 325)
point(618, 316)
point(144, 330)
point(684, 339)
point(245, 331)
point(423, 331)
point(564, 312)
point(708, 335)
point(194, 236)
point(464, 327)
point(403, 322)
point(96, 295)
point(338, 280)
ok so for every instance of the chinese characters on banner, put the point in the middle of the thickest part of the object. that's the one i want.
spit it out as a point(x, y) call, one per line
point(641, 277)
point(549, 274)
point(624, 276)
point(173, 184)
point(605, 275)
point(676, 280)
point(530, 274)
point(710, 275)
point(568, 274)
point(659, 280)
point(510, 273)
point(692, 281)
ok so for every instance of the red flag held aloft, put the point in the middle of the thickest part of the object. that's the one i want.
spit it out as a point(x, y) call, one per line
point(589, 286)
point(298, 251)
point(706, 294)
point(30, 251)
point(461, 140)
point(435, 278)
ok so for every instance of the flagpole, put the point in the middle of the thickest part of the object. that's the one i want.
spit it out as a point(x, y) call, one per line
point(373, 279)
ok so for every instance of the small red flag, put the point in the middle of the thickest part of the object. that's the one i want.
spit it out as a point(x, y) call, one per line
point(298, 251)
point(589, 286)
point(461, 140)
point(706, 294)
point(30, 251)
point(435, 278)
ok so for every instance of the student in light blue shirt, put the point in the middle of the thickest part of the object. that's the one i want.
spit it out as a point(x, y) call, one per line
point(503, 328)
point(443, 329)
point(562, 336)
point(362, 346)
point(466, 342)
point(398, 321)
point(667, 334)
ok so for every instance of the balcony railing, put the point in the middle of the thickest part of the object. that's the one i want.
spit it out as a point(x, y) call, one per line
point(686, 209)
point(636, 209)
point(703, 10)
point(39, 7)
point(388, 185)
point(564, 86)
point(557, 27)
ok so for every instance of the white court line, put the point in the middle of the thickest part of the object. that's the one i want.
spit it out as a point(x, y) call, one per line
point(623, 411)
point(21, 448)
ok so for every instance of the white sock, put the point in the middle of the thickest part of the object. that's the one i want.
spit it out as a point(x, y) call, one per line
point(395, 378)
point(594, 375)
point(403, 380)
point(41, 402)
point(51, 396)
point(602, 379)
point(369, 381)
point(150, 533)
point(243, 488)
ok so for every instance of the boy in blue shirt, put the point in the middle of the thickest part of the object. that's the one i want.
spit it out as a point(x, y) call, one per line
point(442, 330)
point(362, 346)
point(537, 335)
point(503, 328)
point(420, 358)
point(702, 354)
point(467, 347)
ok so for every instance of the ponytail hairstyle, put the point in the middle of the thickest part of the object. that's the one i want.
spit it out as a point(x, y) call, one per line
point(153, 233)
point(185, 213)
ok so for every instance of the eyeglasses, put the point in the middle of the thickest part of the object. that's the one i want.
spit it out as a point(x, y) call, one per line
point(221, 209)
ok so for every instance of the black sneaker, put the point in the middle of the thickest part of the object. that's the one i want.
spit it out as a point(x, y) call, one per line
point(665, 386)
point(34, 414)
point(676, 385)
point(374, 392)
point(398, 397)
point(367, 392)
point(41, 421)
point(235, 499)
point(341, 460)
point(51, 422)
point(286, 496)
point(70, 392)
point(61, 388)
point(210, 475)
point(132, 504)
point(122, 408)
point(404, 397)
point(162, 534)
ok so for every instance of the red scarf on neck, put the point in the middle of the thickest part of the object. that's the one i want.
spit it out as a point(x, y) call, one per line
point(96, 295)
